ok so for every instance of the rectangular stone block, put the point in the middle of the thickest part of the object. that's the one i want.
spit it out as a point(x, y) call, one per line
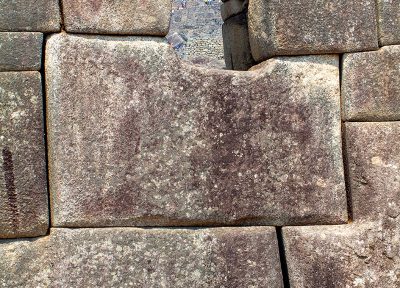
point(374, 166)
point(356, 255)
point(305, 27)
point(23, 183)
point(20, 51)
point(137, 137)
point(371, 85)
point(30, 15)
point(389, 22)
point(134, 17)
point(128, 257)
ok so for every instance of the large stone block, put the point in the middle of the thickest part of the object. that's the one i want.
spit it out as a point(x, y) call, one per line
point(128, 257)
point(374, 167)
point(23, 183)
point(389, 22)
point(30, 15)
point(356, 255)
point(20, 51)
point(137, 137)
point(134, 17)
point(305, 27)
point(371, 85)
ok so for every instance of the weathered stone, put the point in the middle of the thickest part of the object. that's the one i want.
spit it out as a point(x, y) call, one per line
point(20, 51)
point(355, 255)
point(305, 27)
point(137, 137)
point(374, 166)
point(371, 85)
point(233, 7)
point(389, 22)
point(23, 193)
point(120, 257)
point(237, 52)
point(30, 15)
point(135, 17)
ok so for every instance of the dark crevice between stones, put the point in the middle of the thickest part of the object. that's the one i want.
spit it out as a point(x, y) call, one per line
point(43, 81)
point(344, 146)
point(282, 257)
point(60, 4)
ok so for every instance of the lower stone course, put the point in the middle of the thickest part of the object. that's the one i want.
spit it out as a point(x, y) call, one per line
point(129, 257)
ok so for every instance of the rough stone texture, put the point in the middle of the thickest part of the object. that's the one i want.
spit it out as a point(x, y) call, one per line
point(20, 51)
point(371, 85)
point(374, 166)
point(355, 255)
point(305, 27)
point(237, 52)
point(23, 193)
point(136, 137)
point(30, 15)
point(233, 7)
point(389, 22)
point(129, 257)
point(134, 17)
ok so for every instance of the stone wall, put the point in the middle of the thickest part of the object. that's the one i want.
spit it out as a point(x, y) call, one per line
point(124, 166)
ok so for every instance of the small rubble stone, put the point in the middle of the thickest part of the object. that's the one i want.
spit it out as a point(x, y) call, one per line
point(355, 255)
point(389, 22)
point(120, 257)
point(23, 192)
point(20, 51)
point(374, 166)
point(138, 137)
point(303, 27)
point(30, 15)
point(371, 85)
point(134, 17)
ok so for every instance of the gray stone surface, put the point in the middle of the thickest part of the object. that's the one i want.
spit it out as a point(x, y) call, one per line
point(20, 51)
point(133, 17)
point(23, 193)
point(355, 255)
point(389, 22)
point(30, 15)
point(129, 257)
point(374, 166)
point(371, 85)
point(136, 137)
point(305, 27)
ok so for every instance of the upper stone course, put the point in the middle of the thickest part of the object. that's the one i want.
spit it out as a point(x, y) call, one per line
point(389, 22)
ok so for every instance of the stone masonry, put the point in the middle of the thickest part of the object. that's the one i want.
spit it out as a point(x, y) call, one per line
point(123, 165)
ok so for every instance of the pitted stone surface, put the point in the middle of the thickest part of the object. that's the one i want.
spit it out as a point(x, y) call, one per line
point(30, 15)
point(129, 257)
point(305, 27)
point(355, 255)
point(374, 166)
point(137, 137)
point(389, 22)
point(371, 85)
point(134, 17)
point(23, 193)
point(20, 51)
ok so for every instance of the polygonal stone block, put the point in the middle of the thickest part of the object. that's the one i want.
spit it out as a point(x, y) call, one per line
point(389, 22)
point(23, 183)
point(137, 137)
point(305, 27)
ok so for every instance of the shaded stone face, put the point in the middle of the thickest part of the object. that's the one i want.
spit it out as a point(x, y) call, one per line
point(374, 164)
point(30, 15)
point(23, 193)
point(362, 255)
point(389, 22)
point(20, 51)
point(370, 85)
point(136, 17)
point(114, 257)
point(138, 138)
point(306, 27)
